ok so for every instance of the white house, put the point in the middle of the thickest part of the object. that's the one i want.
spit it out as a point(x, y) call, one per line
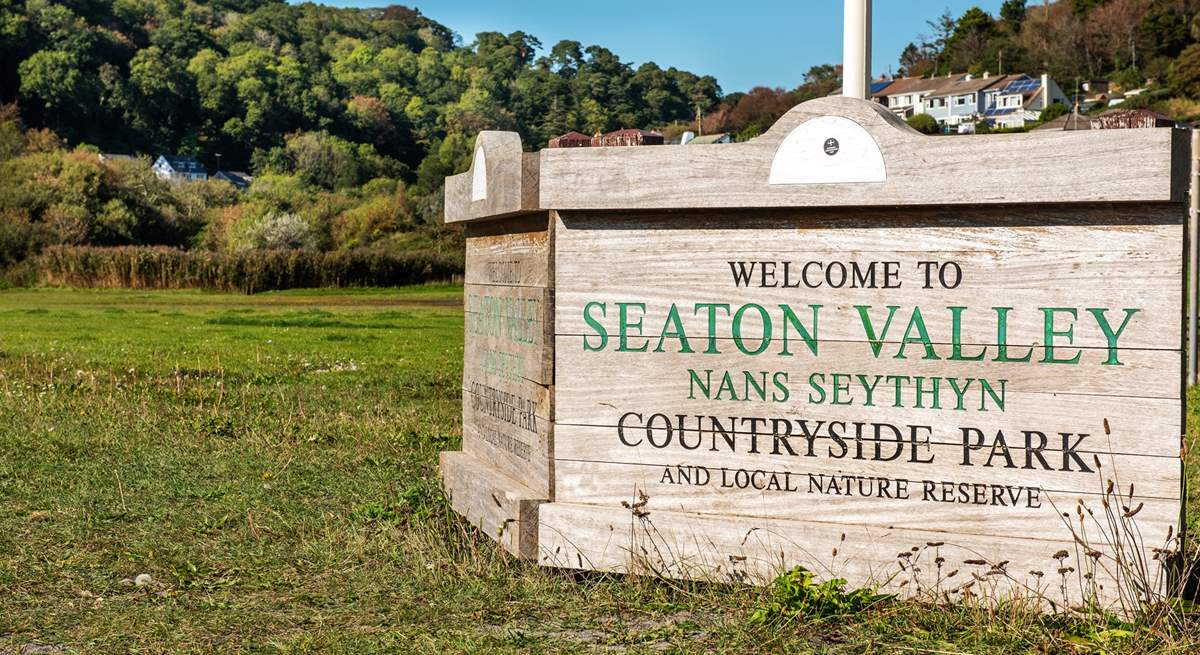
point(963, 100)
point(905, 96)
point(179, 167)
point(1022, 100)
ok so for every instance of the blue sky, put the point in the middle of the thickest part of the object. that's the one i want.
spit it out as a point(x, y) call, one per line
point(743, 43)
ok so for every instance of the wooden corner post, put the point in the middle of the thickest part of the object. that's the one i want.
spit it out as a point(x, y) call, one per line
point(504, 470)
point(948, 366)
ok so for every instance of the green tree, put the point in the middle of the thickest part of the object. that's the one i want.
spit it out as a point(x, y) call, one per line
point(53, 79)
point(1012, 12)
point(924, 123)
point(969, 42)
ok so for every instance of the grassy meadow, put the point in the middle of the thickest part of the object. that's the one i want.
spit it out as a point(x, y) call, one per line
point(200, 472)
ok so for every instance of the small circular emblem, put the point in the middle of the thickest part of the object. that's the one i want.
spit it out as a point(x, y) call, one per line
point(831, 146)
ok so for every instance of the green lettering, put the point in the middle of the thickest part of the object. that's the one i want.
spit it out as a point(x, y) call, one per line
point(1109, 334)
point(869, 328)
point(595, 325)
point(626, 324)
point(956, 338)
point(766, 329)
point(676, 332)
point(1050, 334)
point(790, 318)
point(917, 321)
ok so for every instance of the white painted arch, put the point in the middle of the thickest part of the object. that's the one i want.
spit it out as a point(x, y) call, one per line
point(804, 158)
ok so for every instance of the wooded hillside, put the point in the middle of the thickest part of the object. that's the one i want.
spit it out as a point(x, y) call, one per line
point(349, 119)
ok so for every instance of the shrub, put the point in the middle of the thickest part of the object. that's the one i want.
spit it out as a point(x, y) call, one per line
point(248, 271)
point(924, 123)
point(1053, 111)
point(373, 220)
point(279, 230)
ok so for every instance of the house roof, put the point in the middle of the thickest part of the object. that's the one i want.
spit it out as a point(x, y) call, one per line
point(183, 163)
point(879, 85)
point(910, 85)
point(964, 85)
point(1019, 83)
point(1068, 122)
point(236, 178)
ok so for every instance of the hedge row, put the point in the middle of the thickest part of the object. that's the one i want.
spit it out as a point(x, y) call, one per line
point(134, 267)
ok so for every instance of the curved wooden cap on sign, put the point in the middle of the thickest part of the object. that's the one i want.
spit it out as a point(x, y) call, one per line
point(502, 181)
point(829, 152)
point(1035, 167)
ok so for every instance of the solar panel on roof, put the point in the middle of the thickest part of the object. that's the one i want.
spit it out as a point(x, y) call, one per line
point(1023, 86)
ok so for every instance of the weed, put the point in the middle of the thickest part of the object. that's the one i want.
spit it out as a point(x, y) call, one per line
point(796, 593)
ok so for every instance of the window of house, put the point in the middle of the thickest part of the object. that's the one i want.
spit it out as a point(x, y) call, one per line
point(961, 100)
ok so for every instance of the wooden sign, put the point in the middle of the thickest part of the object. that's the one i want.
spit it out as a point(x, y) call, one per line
point(857, 365)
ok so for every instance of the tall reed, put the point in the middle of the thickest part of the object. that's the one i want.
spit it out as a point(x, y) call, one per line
point(136, 267)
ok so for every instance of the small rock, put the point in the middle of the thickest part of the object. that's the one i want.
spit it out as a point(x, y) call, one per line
point(143, 580)
point(84, 593)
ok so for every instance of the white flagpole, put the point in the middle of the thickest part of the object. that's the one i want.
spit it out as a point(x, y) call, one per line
point(856, 50)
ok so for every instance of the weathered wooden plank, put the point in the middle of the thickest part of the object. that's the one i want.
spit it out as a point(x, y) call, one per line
point(632, 456)
point(509, 332)
point(1147, 426)
point(788, 379)
point(502, 181)
point(1107, 165)
point(924, 564)
point(998, 507)
point(1038, 228)
point(487, 391)
point(690, 268)
point(502, 508)
point(513, 252)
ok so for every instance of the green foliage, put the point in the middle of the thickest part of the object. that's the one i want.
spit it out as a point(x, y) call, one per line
point(1184, 75)
point(60, 197)
point(235, 77)
point(1053, 111)
point(798, 594)
point(1013, 12)
point(326, 161)
point(924, 123)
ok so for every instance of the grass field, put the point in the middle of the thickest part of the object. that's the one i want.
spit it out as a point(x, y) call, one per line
point(270, 463)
